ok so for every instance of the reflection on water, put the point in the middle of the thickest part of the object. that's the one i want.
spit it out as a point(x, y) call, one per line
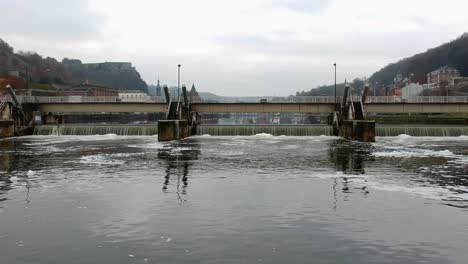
point(178, 158)
point(111, 199)
point(350, 157)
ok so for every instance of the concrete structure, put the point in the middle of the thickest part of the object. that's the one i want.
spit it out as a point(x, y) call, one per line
point(155, 90)
point(457, 82)
point(7, 124)
point(85, 89)
point(413, 89)
point(132, 96)
point(360, 130)
point(113, 66)
point(173, 130)
point(373, 105)
point(442, 74)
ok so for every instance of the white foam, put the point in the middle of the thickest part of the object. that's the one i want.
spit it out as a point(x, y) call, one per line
point(263, 135)
point(31, 173)
point(431, 192)
point(410, 153)
point(100, 160)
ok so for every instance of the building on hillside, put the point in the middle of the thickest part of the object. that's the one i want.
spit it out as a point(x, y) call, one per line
point(442, 74)
point(395, 91)
point(112, 66)
point(155, 90)
point(133, 96)
point(442, 81)
point(193, 94)
point(413, 89)
point(85, 89)
point(458, 81)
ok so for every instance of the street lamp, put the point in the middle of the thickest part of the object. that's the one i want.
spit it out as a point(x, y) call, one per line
point(334, 65)
point(178, 82)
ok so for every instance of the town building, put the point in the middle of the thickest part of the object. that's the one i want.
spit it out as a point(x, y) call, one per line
point(444, 81)
point(132, 96)
point(445, 73)
point(155, 90)
point(85, 89)
point(412, 89)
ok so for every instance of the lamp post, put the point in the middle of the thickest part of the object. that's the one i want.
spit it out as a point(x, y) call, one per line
point(178, 82)
point(334, 94)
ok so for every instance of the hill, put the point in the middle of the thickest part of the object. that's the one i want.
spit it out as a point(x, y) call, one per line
point(32, 66)
point(454, 53)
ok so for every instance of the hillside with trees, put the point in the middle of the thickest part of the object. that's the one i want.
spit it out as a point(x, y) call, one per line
point(48, 71)
point(454, 54)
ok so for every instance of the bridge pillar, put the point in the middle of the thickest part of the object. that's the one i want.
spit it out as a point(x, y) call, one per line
point(360, 130)
point(173, 130)
point(7, 128)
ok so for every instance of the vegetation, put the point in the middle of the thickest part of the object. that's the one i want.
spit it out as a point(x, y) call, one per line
point(454, 53)
point(48, 71)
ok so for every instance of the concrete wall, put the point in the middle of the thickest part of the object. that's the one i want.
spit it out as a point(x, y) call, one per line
point(6, 113)
point(103, 107)
point(7, 129)
point(252, 107)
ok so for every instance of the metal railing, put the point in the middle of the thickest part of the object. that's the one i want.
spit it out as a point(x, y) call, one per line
point(268, 99)
point(256, 99)
point(417, 99)
point(3, 101)
point(87, 99)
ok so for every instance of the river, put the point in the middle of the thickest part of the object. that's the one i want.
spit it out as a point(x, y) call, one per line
point(244, 199)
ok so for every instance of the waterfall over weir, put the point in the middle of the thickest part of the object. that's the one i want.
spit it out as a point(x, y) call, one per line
point(317, 130)
point(97, 129)
point(421, 131)
point(275, 130)
point(246, 130)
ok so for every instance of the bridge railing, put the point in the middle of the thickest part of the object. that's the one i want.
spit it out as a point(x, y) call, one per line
point(4, 99)
point(254, 99)
point(269, 99)
point(88, 99)
point(417, 99)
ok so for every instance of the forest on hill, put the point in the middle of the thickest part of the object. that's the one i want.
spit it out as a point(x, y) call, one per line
point(453, 53)
point(48, 70)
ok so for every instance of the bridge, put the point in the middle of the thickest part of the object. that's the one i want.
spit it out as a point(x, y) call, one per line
point(292, 104)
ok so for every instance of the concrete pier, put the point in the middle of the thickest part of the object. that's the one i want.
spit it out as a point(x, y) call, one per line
point(360, 130)
point(7, 128)
point(173, 130)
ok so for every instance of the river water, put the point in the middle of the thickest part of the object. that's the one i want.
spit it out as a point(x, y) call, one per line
point(253, 199)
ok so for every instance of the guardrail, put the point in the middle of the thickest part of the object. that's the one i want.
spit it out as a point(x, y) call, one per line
point(417, 99)
point(3, 102)
point(87, 99)
point(256, 99)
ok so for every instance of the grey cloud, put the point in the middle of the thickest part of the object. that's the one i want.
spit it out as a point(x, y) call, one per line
point(49, 19)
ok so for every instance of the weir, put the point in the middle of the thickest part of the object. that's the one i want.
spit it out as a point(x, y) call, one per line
point(319, 130)
point(90, 130)
point(275, 130)
point(247, 130)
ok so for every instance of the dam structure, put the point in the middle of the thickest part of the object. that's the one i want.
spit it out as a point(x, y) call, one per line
point(49, 115)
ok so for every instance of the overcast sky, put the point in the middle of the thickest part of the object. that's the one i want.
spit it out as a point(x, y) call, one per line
point(235, 47)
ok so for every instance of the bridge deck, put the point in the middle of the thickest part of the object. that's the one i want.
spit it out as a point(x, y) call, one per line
point(383, 104)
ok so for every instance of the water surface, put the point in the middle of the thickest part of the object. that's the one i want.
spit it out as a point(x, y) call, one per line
point(257, 199)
